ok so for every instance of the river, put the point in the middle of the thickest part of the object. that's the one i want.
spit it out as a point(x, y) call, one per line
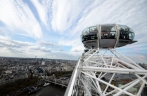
point(51, 90)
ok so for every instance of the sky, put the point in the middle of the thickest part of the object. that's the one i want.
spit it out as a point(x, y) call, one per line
point(52, 28)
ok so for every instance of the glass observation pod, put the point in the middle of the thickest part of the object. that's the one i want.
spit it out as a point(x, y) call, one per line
point(107, 36)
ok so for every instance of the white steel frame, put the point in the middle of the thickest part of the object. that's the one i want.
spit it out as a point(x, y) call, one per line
point(87, 78)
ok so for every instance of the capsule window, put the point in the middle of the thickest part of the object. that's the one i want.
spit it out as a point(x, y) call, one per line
point(85, 32)
point(93, 30)
point(126, 33)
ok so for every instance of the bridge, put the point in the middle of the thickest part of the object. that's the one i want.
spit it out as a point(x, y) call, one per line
point(61, 81)
point(58, 83)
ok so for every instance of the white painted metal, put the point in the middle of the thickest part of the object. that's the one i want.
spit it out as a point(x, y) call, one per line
point(96, 73)
point(91, 69)
point(117, 35)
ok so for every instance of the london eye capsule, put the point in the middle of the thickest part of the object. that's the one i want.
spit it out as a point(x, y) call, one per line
point(107, 36)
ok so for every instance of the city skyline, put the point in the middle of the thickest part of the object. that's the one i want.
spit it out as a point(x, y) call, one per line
point(52, 28)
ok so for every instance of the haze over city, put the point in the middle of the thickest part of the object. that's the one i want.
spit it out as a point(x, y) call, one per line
point(52, 28)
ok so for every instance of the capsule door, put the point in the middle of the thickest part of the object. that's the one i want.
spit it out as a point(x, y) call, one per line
point(108, 36)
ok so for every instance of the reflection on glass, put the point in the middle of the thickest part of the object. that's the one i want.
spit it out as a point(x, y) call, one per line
point(126, 32)
point(85, 31)
point(108, 32)
point(89, 33)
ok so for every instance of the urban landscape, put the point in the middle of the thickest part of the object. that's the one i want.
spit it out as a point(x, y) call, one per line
point(38, 70)
point(73, 48)
point(18, 74)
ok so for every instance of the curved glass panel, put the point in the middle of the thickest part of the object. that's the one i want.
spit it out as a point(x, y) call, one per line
point(93, 30)
point(108, 31)
point(131, 34)
point(85, 31)
point(126, 33)
point(89, 33)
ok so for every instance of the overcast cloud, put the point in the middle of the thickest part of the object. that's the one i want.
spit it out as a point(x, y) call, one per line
point(52, 28)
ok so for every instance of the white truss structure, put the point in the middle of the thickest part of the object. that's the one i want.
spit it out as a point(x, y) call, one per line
point(98, 74)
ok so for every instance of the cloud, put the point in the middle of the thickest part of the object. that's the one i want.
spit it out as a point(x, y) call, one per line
point(65, 14)
point(62, 55)
point(15, 51)
point(48, 44)
point(43, 9)
point(36, 48)
point(138, 57)
point(87, 14)
point(17, 16)
point(7, 42)
point(76, 44)
point(64, 22)
point(19, 46)
point(106, 12)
